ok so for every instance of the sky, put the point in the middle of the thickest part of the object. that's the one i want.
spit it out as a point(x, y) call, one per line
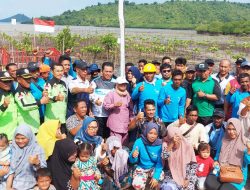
point(33, 8)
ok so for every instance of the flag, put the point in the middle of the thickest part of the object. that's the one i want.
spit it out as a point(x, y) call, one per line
point(44, 25)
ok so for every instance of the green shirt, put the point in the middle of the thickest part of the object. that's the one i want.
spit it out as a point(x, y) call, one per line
point(56, 109)
point(205, 106)
point(8, 115)
point(27, 107)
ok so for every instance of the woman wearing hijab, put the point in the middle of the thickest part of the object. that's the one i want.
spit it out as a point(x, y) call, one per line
point(49, 132)
point(233, 151)
point(60, 162)
point(133, 77)
point(117, 168)
point(179, 162)
point(27, 157)
point(146, 153)
point(88, 133)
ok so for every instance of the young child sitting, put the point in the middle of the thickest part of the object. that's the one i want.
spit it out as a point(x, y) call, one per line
point(87, 164)
point(5, 155)
point(44, 178)
point(205, 164)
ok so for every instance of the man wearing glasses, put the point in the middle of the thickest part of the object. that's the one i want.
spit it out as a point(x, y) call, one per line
point(166, 75)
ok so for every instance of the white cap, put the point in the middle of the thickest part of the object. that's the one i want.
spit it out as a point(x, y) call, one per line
point(121, 80)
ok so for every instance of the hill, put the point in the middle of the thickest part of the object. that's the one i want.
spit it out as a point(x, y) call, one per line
point(171, 15)
point(19, 18)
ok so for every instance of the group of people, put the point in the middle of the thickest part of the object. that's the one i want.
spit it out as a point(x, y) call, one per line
point(165, 125)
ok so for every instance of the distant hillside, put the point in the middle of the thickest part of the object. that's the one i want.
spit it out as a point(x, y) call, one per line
point(171, 14)
point(19, 18)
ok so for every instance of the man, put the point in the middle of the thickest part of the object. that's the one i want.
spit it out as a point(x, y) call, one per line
point(193, 131)
point(166, 72)
point(102, 86)
point(94, 71)
point(37, 87)
point(127, 66)
point(57, 93)
point(216, 130)
point(222, 77)
point(79, 87)
point(206, 91)
point(180, 64)
point(238, 63)
point(157, 66)
point(166, 60)
point(11, 68)
point(46, 58)
point(67, 53)
point(210, 63)
point(139, 122)
point(245, 67)
point(28, 112)
point(44, 72)
point(8, 108)
point(141, 64)
point(148, 89)
point(172, 99)
point(235, 97)
point(65, 61)
point(244, 113)
point(74, 122)
point(187, 84)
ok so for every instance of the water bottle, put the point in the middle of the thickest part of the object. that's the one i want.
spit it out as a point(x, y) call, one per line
point(216, 169)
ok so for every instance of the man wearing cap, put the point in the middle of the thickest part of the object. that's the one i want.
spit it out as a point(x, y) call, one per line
point(79, 88)
point(37, 87)
point(94, 70)
point(58, 95)
point(187, 83)
point(210, 63)
point(102, 86)
point(44, 72)
point(119, 105)
point(216, 130)
point(222, 77)
point(65, 61)
point(8, 108)
point(206, 91)
point(148, 89)
point(157, 66)
point(245, 67)
point(172, 99)
point(27, 105)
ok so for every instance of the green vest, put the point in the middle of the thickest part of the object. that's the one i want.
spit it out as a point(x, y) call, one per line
point(28, 111)
point(8, 116)
point(205, 106)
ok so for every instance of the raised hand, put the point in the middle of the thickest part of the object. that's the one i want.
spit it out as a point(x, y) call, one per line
point(136, 152)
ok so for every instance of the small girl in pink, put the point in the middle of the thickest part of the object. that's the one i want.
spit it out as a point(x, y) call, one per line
point(205, 164)
point(119, 105)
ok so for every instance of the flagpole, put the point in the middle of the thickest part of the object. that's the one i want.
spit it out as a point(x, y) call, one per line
point(122, 37)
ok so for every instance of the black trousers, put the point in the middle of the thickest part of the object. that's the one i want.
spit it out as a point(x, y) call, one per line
point(213, 183)
point(205, 120)
point(103, 130)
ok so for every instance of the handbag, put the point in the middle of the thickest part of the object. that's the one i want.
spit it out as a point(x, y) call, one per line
point(231, 174)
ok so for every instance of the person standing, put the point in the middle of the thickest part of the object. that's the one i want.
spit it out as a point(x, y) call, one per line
point(166, 72)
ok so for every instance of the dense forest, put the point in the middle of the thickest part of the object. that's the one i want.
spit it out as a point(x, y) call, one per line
point(204, 16)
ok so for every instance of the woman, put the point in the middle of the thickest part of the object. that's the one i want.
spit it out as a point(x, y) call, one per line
point(88, 133)
point(146, 153)
point(179, 162)
point(232, 152)
point(60, 162)
point(133, 77)
point(27, 157)
point(115, 167)
point(49, 132)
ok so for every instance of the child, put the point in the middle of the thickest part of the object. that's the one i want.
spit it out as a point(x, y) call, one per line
point(120, 107)
point(87, 164)
point(205, 164)
point(147, 153)
point(5, 155)
point(44, 178)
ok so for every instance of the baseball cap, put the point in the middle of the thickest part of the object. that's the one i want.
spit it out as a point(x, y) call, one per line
point(240, 60)
point(121, 80)
point(33, 66)
point(44, 68)
point(5, 76)
point(155, 62)
point(23, 73)
point(209, 61)
point(191, 68)
point(219, 113)
point(245, 63)
point(80, 64)
point(94, 67)
point(202, 66)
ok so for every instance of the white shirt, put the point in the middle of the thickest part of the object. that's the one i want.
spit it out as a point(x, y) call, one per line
point(67, 79)
point(78, 83)
point(245, 121)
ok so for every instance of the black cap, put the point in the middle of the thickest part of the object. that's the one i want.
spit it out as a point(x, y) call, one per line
point(80, 64)
point(240, 60)
point(202, 66)
point(33, 66)
point(5, 76)
point(219, 113)
point(209, 61)
point(191, 68)
point(155, 62)
point(23, 73)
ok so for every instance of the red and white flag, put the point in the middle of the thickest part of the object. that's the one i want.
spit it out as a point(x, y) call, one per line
point(44, 25)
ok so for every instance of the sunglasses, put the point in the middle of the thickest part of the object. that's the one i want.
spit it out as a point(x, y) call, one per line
point(166, 71)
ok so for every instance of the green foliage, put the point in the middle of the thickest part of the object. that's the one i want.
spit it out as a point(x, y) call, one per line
point(94, 50)
point(109, 42)
point(65, 39)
